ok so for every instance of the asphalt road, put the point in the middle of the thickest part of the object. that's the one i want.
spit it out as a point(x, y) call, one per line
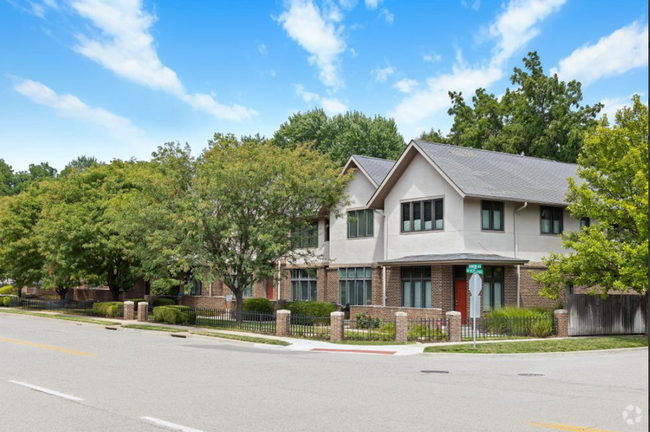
point(134, 380)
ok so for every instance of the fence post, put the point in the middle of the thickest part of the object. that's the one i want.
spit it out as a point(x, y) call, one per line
point(401, 327)
point(143, 311)
point(562, 320)
point(128, 310)
point(337, 321)
point(454, 324)
point(283, 322)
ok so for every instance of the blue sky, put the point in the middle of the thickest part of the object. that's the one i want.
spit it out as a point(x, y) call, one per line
point(116, 78)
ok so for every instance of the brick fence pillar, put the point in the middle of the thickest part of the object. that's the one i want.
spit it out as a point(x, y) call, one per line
point(401, 327)
point(337, 321)
point(453, 321)
point(283, 322)
point(143, 311)
point(562, 323)
point(128, 310)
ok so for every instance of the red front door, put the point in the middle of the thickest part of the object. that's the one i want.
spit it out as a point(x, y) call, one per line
point(269, 289)
point(461, 299)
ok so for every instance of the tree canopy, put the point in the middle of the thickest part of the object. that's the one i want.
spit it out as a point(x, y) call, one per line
point(611, 254)
point(541, 116)
point(342, 135)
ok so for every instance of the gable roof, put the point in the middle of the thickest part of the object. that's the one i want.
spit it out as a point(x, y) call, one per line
point(375, 169)
point(488, 174)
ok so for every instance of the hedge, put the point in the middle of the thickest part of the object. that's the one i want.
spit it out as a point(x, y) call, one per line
point(136, 301)
point(107, 309)
point(174, 314)
point(8, 289)
point(260, 305)
point(6, 300)
point(164, 302)
point(535, 322)
point(311, 308)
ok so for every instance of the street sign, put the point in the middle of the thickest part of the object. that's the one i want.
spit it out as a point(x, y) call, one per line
point(475, 285)
point(474, 266)
point(475, 288)
point(475, 269)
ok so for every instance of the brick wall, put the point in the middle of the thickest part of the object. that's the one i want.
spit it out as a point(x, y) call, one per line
point(388, 313)
point(206, 302)
point(393, 287)
point(377, 287)
point(332, 285)
point(530, 289)
point(321, 284)
point(442, 285)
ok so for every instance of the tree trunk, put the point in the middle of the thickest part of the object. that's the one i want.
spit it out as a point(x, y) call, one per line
point(61, 292)
point(239, 296)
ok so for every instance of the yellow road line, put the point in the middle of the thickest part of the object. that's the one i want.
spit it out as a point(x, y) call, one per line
point(566, 427)
point(47, 347)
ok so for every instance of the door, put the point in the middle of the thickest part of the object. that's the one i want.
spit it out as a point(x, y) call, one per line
point(461, 299)
point(269, 289)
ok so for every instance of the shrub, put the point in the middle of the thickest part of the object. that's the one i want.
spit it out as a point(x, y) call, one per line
point(6, 300)
point(8, 289)
point(311, 308)
point(542, 329)
point(364, 321)
point(261, 305)
point(420, 331)
point(136, 301)
point(107, 309)
point(174, 314)
point(520, 321)
point(164, 302)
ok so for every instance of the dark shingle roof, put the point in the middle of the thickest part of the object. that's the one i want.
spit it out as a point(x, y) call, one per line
point(376, 168)
point(455, 257)
point(483, 173)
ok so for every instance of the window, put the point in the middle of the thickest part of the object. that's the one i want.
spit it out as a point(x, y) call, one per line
point(360, 223)
point(492, 288)
point(306, 236)
point(327, 229)
point(416, 287)
point(196, 287)
point(355, 286)
point(303, 285)
point(585, 222)
point(492, 215)
point(551, 220)
point(422, 216)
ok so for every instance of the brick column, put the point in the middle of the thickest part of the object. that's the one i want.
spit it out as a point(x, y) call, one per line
point(562, 322)
point(401, 327)
point(283, 323)
point(143, 311)
point(128, 310)
point(453, 321)
point(337, 321)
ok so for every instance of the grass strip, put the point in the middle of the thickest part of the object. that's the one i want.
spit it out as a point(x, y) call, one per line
point(244, 338)
point(153, 328)
point(369, 342)
point(551, 345)
point(61, 317)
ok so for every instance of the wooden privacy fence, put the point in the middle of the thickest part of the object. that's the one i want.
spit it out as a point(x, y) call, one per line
point(617, 314)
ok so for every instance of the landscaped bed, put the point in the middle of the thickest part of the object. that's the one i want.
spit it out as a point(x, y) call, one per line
point(551, 345)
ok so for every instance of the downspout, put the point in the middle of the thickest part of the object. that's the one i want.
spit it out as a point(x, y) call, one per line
point(383, 268)
point(516, 253)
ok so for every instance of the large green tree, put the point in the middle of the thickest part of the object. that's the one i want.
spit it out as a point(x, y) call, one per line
point(540, 116)
point(6, 178)
point(342, 135)
point(34, 174)
point(246, 199)
point(612, 253)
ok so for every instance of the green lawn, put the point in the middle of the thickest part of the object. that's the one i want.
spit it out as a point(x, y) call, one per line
point(244, 338)
point(551, 345)
point(60, 317)
point(153, 328)
point(370, 342)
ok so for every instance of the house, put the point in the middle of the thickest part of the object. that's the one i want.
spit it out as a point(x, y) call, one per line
point(411, 226)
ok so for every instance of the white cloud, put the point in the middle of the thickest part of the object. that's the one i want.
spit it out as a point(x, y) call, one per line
point(514, 26)
point(319, 36)
point(126, 47)
point(621, 51)
point(406, 85)
point(305, 95)
point(431, 57)
point(333, 106)
point(382, 74)
point(70, 106)
point(354, 53)
point(387, 16)
point(475, 5)
point(348, 4)
point(263, 50)
point(372, 4)
point(614, 104)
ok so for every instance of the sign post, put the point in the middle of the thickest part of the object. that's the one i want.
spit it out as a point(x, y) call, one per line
point(475, 287)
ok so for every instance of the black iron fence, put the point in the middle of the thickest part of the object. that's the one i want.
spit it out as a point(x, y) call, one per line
point(369, 329)
point(310, 327)
point(64, 306)
point(512, 327)
point(428, 330)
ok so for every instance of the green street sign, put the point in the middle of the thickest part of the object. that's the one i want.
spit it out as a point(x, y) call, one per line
point(474, 271)
point(474, 266)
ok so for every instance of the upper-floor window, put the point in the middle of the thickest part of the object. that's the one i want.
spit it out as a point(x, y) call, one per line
point(416, 287)
point(306, 237)
point(355, 286)
point(552, 221)
point(492, 215)
point(422, 215)
point(303, 285)
point(585, 222)
point(327, 229)
point(360, 223)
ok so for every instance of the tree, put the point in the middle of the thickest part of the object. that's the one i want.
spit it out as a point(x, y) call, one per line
point(79, 164)
point(342, 135)
point(246, 198)
point(35, 173)
point(541, 117)
point(6, 178)
point(611, 254)
point(434, 136)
